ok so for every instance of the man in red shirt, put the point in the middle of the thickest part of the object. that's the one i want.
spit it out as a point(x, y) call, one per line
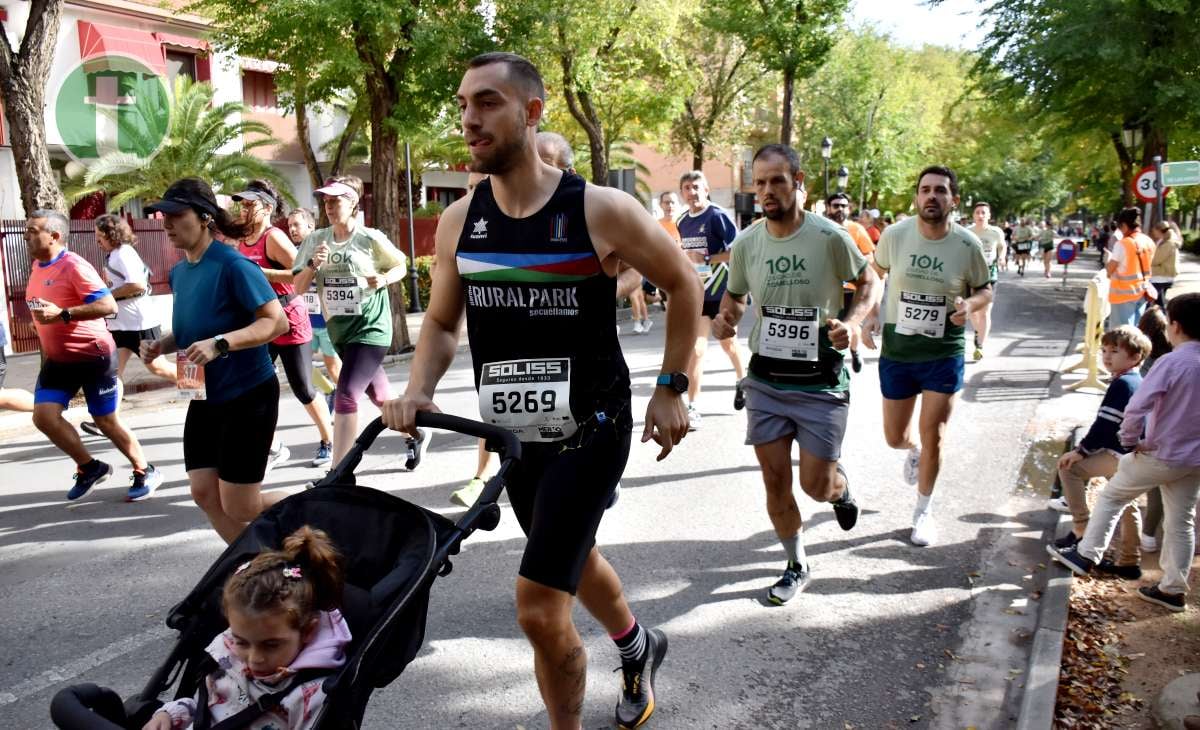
point(68, 302)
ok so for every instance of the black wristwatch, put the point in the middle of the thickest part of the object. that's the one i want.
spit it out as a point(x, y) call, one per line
point(677, 382)
point(222, 345)
point(65, 315)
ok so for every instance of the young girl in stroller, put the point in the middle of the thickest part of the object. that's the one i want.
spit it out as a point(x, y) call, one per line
point(285, 635)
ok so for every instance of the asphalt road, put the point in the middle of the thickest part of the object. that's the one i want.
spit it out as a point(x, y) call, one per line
point(886, 635)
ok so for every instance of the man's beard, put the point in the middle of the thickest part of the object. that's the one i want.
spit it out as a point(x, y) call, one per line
point(781, 212)
point(838, 217)
point(940, 217)
point(503, 157)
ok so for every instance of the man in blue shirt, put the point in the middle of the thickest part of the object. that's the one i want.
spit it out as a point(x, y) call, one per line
point(707, 233)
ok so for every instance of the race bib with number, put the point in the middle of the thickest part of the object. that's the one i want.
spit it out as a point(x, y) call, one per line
point(703, 270)
point(189, 377)
point(922, 314)
point(531, 398)
point(342, 295)
point(312, 301)
point(789, 333)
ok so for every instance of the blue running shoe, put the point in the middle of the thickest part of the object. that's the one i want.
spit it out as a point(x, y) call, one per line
point(324, 454)
point(144, 484)
point(87, 477)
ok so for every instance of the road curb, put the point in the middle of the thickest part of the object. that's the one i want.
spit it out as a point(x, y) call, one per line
point(1045, 655)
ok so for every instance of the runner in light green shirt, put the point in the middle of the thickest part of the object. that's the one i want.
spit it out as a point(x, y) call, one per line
point(1045, 238)
point(937, 277)
point(992, 240)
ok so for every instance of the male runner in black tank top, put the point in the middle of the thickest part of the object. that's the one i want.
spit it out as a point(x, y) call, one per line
point(531, 256)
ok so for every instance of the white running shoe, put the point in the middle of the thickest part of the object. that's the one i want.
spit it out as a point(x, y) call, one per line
point(1058, 504)
point(924, 531)
point(647, 324)
point(637, 327)
point(277, 456)
point(912, 465)
point(1149, 544)
point(694, 418)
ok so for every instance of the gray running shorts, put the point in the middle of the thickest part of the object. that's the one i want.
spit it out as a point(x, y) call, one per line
point(817, 421)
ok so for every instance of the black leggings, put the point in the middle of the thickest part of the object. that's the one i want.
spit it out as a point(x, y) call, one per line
point(297, 365)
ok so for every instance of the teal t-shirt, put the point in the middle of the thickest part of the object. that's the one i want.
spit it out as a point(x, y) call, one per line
point(366, 252)
point(791, 277)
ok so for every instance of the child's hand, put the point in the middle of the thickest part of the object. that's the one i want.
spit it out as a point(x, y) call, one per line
point(160, 721)
point(1070, 459)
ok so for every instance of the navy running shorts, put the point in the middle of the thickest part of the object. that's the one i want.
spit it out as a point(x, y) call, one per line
point(903, 380)
point(58, 382)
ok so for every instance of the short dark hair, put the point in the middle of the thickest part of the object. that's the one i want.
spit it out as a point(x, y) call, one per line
point(1131, 217)
point(521, 71)
point(837, 196)
point(780, 150)
point(982, 203)
point(940, 170)
point(1185, 309)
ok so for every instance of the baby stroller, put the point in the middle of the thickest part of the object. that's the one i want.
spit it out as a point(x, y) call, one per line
point(393, 551)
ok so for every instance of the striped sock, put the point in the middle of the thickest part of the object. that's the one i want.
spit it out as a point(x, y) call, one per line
point(631, 643)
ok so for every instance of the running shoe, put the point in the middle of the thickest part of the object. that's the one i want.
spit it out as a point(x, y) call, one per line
point(1071, 558)
point(647, 324)
point(845, 508)
point(978, 354)
point(924, 531)
point(1066, 541)
point(414, 447)
point(144, 484)
point(468, 494)
point(912, 465)
point(277, 456)
point(87, 477)
point(1128, 572)
point(1058, 504)
point(694, 418)
point(1171, 601)
point(90, 428)
point(795, 578)
point(637, 327)
point(324, 454)
point(636, 704)
point(739, 397)
point(1148, 543)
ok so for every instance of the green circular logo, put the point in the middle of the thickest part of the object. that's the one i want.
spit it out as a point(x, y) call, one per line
point(112, 103)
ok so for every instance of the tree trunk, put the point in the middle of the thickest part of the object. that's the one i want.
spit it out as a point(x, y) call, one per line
point(1125, 161)
point(315, 177)
point(23, 78)
point(698, 154)
point(385, 191)
point(785, 123)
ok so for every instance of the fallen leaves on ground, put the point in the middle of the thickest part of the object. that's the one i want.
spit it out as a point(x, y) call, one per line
point(1089, 682)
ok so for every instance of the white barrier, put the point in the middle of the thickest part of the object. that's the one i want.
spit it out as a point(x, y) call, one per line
point(1095, 307)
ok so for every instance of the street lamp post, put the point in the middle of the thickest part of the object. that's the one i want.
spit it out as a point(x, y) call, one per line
point(843, 178)
point(826, 153)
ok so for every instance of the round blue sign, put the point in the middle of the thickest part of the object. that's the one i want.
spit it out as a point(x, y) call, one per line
point(1066, 251)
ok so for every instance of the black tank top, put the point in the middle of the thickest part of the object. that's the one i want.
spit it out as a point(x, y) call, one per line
point(538, 304)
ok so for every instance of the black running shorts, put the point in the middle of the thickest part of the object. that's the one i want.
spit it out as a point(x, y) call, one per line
point(233, 437)
point(132, 339)
point(559, 492)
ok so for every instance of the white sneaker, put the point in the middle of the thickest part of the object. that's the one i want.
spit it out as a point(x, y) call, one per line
point(647, 324)
point(1149, 544)
point(637, 327)
point(912, 465)
point(694, 418)
point(1058, 504)
point(924, 531)
point(277, 456)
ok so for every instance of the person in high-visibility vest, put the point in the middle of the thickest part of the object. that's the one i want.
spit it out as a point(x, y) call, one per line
point(1128, 270)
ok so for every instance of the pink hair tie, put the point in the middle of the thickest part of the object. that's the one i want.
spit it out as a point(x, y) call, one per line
point(292, 572)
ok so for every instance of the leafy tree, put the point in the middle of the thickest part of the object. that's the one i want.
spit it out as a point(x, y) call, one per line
point(23, 77)
point(792, 37)
point(196, 134)
point(723, 78)
point(613, 61)
point(1095, 68)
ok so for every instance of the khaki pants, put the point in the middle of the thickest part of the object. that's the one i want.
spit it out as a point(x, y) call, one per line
point(1180, 485)
point(1074, 483)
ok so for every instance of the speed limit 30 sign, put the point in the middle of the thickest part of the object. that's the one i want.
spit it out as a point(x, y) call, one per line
point(1143, 185)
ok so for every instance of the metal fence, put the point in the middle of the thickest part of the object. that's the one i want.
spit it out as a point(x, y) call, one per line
point(152, 246)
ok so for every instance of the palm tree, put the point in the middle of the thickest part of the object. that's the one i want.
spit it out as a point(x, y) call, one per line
point(196, 132)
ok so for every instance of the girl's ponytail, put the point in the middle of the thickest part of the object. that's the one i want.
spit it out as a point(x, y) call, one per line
point(321, 562)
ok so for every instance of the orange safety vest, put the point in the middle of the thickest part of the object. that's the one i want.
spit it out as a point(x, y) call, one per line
point(1128, 282)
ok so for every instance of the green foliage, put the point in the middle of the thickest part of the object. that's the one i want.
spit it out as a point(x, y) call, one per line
point(196, 133)
point(424, 266)
point(431, 209)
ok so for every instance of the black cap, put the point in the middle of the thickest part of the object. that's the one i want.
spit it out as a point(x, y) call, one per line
point(258, 195)
point(184, 194)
